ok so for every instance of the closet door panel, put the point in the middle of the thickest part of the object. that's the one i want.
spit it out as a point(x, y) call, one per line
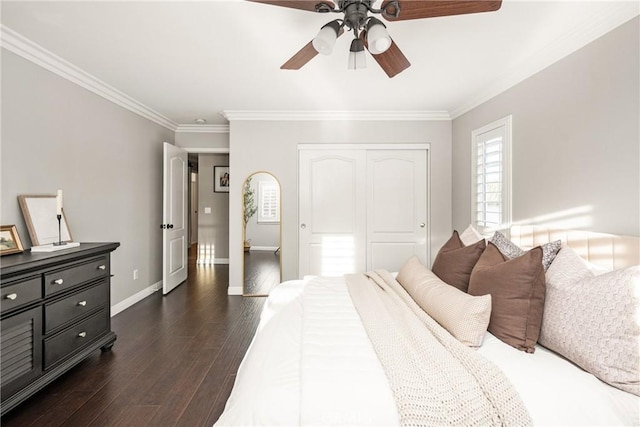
point(331, 208)
point(391, 256)
point(396, 207)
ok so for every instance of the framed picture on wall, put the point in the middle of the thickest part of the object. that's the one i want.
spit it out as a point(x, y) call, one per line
point(221, 179)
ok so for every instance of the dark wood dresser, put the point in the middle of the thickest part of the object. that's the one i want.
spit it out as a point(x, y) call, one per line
point(55, 311)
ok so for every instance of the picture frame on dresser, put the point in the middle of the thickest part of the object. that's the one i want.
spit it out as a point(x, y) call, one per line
point(39, 212)
point(10, 242)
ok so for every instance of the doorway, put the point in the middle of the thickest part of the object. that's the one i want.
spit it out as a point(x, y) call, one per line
point(193, 200)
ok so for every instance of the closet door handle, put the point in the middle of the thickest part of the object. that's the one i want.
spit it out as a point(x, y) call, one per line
point(422, 225)
point(303, 226)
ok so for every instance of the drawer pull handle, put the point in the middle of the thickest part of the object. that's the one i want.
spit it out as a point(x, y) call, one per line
point(82, 303)
point(102, 267)
point(58, 281)
point(82, 334)
point(12, 296)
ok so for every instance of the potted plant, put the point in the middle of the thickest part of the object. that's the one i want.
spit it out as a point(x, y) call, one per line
point(250, 209)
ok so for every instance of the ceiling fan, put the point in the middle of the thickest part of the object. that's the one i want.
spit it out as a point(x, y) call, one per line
point(369, 32)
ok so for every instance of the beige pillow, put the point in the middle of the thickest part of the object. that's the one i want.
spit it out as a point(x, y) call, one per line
point(464, 316)
point(470, 236)
point(517, 290)
point(591, 321)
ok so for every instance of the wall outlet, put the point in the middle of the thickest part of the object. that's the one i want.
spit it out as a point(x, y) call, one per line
point(135, 274)
point(207, 210)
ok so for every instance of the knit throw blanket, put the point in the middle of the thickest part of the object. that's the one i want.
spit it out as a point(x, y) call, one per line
point(436, 380)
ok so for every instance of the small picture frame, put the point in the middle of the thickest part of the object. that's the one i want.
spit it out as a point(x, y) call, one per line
point(221, 179)
point(9, 240)
point(39, 212)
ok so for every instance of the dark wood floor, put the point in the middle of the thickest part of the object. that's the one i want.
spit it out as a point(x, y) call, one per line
point(174, 362)
point(261, 272)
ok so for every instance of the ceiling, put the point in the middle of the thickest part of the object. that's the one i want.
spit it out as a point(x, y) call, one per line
point(187, 60)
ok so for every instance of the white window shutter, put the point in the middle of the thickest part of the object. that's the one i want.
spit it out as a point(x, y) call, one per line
point(491, 177)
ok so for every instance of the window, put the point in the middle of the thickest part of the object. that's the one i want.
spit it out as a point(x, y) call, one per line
point(269, 201)
point(491, 176)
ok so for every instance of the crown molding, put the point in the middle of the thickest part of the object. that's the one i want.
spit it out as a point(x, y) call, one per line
point(202, 129)
point(232, 115)
point(619, 13)
point(21, 46)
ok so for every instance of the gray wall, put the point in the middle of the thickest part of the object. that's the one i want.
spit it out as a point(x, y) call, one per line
point(576, 151)
point(107, 160)
point(205, 140)
point(213, 228)
point(271, 146)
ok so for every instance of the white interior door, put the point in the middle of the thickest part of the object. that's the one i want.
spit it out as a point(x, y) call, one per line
point(174, 218)
point(331, 233)
point(396, 207)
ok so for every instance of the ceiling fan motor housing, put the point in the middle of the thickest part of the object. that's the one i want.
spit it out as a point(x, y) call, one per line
point(355, 13)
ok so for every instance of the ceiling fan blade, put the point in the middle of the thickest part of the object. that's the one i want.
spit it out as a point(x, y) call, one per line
point(392, 60)
point(304, 55)
point(309, 5)
point(417, 9)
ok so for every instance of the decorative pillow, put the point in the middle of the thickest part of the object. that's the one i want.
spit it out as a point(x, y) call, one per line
point(464, 316)
point(470, 236)
point(454, 261)
point(511, 250)
point(591, 321)
point(517, 289)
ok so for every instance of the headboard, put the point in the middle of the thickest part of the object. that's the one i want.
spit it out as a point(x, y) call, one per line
point(606, 250)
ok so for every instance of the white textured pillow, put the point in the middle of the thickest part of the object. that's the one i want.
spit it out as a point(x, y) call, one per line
point(470, 236)
point(591, 321)
point(465, 317)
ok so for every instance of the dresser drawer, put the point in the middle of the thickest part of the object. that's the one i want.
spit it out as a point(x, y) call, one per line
point(75, 274)
point(75, 337)
point(21, 292)
point(74, 306)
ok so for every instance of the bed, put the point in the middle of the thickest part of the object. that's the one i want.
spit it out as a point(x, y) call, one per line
point(316, 359)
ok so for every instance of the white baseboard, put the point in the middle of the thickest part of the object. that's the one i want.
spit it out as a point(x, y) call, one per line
point(264, 248)
point(234, 290)
point(123, 305)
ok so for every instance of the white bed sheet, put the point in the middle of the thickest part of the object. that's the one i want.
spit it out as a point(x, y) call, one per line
point(333, 377)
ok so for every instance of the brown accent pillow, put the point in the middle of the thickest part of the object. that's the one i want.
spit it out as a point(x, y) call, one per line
point(455, 261)
point(517, 288)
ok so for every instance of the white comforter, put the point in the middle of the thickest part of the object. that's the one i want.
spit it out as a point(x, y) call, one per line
point(311, 363)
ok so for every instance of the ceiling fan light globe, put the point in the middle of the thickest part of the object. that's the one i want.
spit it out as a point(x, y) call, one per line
point(357, 57)
point(325, 40)
point(378, 39)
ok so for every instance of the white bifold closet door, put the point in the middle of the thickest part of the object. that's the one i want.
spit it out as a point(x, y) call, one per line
point(361, 209)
